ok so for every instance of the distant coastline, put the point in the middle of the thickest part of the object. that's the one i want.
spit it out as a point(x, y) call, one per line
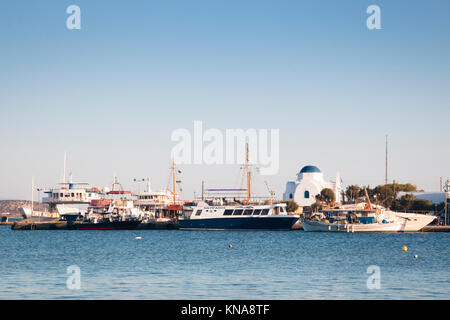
point(11, 207)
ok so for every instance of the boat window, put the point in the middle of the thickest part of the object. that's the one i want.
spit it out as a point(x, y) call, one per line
point(291, 196)
point(257, 212)
point(228, 212)
point(265, 212)
point(248, 212)
point(199, 212)
point(237, 212)
point(306, 194)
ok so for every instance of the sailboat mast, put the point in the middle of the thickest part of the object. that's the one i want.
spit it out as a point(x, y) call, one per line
point(64, 167)
point(248, 173)
point(32, 194)
point(173, 177)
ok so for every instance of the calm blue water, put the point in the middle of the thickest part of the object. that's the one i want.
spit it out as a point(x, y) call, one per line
point(200, 265)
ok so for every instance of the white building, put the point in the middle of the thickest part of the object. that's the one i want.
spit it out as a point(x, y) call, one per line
point(434, 197)
point(308, 184)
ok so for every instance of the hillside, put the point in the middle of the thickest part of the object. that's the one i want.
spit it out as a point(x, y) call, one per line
point(12, 206)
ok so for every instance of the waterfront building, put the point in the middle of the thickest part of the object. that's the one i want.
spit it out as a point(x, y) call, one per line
point(309, 182)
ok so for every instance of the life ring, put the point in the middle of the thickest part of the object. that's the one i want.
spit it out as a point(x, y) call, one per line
point(245, 202)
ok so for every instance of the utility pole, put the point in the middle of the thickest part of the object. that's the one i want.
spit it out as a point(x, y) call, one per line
point(203, 190)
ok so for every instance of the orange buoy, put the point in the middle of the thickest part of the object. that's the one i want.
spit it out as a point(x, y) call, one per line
point(230, 246)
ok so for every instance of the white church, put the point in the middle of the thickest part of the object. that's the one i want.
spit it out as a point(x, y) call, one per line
point(308, 184)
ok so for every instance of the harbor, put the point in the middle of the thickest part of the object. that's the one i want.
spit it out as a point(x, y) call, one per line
point(160, 264)
point(79, 206)
point(225, 154)
point(328, 208)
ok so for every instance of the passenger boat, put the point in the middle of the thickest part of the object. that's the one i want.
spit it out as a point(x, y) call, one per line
point(245, 217)
point(219, 214)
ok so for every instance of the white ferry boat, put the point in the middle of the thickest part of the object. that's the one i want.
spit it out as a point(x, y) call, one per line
point(242, 215)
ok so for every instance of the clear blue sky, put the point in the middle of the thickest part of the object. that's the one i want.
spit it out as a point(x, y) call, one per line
point(112, 93)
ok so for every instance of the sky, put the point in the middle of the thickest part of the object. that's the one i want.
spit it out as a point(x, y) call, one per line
point(112, 93)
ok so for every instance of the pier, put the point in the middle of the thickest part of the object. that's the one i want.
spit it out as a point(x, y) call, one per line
point(63, 225)
point(436, 229)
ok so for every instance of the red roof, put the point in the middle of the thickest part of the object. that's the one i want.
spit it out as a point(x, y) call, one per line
point(119, 192)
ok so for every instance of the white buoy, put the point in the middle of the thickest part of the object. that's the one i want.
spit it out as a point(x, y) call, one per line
point(138, 238)
point(416, 256)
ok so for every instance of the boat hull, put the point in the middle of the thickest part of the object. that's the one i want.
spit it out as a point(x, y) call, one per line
point(416, 222)
point(240, 223)
point(412, 223)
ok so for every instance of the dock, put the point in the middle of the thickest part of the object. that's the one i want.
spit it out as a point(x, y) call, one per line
point(436, 229)
point(40, 225)
point(63, 225)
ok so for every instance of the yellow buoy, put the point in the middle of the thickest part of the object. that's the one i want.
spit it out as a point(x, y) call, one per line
point(405, 248)
point(326, 221)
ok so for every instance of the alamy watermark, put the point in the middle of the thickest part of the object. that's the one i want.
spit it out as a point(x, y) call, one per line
point(214, 146)
point(74, 20)
point(374, 20)
point(73, 281)
point(374, 280)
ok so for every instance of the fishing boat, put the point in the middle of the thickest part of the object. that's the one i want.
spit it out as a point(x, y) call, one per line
point(365, 218)
point(222, 214)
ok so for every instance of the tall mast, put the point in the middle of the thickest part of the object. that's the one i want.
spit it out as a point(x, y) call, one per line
point(173, 177)
point(64, 167)
point(248, 173)
point(32, 193)
point(386, 179)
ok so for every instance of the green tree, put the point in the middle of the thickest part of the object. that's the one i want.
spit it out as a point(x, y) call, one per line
point(291, 206)
point(326, 195)
point(353, 192)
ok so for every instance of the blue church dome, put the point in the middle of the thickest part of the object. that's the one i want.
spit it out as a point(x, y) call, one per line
point(309, 169)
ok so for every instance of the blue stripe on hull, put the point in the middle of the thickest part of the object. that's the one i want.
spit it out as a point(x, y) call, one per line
point(278, 223)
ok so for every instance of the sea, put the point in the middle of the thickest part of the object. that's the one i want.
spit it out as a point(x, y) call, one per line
point(176, 264)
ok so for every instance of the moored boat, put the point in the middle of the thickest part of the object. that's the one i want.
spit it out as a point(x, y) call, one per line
point(222, 214)
point(246, 217)
point(353, 218)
